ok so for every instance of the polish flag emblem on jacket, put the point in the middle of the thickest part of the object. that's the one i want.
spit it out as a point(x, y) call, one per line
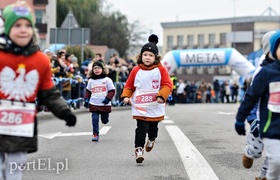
point(155, 84)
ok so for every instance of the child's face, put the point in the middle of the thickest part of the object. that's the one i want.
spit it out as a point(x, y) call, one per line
point(49, 54)
point(21, 32)
point(278, 52)
point(97, 70)
point(148, 58)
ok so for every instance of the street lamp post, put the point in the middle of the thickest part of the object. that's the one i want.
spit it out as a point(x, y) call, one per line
point(234, 23)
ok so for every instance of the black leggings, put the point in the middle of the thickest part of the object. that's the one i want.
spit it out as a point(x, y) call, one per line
point(144, 127)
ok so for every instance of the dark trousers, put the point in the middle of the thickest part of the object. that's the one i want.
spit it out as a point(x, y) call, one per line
point(144, 127)
point(181, 98)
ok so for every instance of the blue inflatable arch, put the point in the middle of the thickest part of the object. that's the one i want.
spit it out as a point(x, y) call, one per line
point(208, 57)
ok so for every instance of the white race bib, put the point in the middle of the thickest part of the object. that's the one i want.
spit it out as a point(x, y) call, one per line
point(274, 97)
point(99, 89)
point(145, 98)
point(17, 118)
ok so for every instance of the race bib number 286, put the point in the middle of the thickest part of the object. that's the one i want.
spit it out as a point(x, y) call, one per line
point(17, 119)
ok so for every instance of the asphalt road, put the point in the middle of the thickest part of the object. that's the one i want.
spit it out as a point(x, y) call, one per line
point(195, 142)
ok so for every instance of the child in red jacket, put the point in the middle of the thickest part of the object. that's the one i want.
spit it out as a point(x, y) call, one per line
point(25, 75)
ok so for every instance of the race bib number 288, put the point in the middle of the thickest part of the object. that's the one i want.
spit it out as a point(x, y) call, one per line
point(145, 98)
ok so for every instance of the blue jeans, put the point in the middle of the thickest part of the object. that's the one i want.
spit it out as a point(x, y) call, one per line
point(95, 120)
point(217, 96)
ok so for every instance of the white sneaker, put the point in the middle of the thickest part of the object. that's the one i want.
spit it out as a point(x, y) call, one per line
point(149, 145)
point(139, 154)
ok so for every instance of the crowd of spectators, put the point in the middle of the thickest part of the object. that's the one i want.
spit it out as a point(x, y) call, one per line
point(207, 92)
point(71, 78)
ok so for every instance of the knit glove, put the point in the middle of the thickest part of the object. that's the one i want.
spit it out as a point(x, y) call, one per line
point(106, 100)
point(86, 104)
point(254, 128)
point(70, 118)
point(170, 98)
point(240, 128)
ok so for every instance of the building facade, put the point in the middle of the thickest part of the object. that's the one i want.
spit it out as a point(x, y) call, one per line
point(45, 13)
point(242, 33)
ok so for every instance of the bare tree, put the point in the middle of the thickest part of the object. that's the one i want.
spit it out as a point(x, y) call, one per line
point(107, 27)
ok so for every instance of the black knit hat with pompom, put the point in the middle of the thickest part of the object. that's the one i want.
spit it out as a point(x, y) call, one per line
point(98, 63)
point(152, 45)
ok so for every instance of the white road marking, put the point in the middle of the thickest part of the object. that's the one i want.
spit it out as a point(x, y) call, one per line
point(103, 130)
point(196, 166)
point(50, 135)
point(225, 113)
point(168, 121)
point(74, 134)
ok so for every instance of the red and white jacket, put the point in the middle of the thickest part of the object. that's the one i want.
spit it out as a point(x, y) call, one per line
point(143, 86)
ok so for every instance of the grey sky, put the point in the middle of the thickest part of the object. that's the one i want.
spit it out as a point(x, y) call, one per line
point(152, 12)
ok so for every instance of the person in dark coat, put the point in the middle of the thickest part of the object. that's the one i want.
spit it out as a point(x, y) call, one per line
point(265, 89)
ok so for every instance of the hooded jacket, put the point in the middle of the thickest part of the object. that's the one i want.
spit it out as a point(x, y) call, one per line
point(260, 89)
point(253, 114)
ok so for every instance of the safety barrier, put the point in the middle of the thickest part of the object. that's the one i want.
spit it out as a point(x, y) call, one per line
point(78, 87)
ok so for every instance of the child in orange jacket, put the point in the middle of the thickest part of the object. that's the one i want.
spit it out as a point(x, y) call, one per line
point(147, 89)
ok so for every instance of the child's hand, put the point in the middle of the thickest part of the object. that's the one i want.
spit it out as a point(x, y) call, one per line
point(159, 100)
point(126, 100)
point(106, 100)
point(86, 104)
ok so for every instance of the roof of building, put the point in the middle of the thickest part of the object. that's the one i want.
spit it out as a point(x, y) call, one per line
point(210, 22)
point(102, 49)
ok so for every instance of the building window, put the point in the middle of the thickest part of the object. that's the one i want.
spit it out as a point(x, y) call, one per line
point(39, 16)
point(180, 40)
point(201, 40)
point(223, 39)
point(212, 39)
point(40, 2)
point(169, 41)
point(190, 40)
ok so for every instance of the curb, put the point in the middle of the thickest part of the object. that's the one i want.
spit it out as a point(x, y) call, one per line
point(48, 115)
